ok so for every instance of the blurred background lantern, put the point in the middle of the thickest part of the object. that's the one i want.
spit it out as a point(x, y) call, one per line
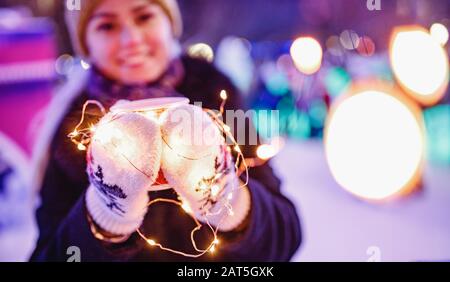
point(306, 53)
point(374, 142)
point(419, 63)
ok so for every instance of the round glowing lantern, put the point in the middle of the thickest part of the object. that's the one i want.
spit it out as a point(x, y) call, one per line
point(374, 142)
point(306, 53)
point(419, 63)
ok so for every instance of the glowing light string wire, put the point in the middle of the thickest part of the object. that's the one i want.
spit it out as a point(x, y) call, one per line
point(240, 166)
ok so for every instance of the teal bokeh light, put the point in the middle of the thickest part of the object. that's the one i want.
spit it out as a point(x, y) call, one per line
point(337, 80)
point(437, 122)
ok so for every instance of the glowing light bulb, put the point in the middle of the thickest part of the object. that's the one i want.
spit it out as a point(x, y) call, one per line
point(74, 133)
point(151, 242)
point(81, 147)
point(223, 95)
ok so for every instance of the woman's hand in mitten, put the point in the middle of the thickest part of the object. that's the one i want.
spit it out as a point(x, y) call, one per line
point(123, 161)
point(197, 163)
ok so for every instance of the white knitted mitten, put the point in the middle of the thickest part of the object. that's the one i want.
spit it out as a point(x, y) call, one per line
point(198, 165)
point(123, 161)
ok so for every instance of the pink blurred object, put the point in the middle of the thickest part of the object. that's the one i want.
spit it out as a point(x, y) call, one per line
point(27, 75)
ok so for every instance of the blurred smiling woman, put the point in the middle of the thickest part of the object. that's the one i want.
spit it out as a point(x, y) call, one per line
point(132, 42)
point(134, 52)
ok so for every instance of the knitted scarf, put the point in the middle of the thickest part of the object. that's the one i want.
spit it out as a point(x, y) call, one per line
point(108, 91)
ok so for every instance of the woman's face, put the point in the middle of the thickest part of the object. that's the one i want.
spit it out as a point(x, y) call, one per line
point(130, 41)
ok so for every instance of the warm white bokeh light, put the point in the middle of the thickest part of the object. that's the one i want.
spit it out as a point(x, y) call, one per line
point(349, 39)
point(85, 65)
point(374, 145)
point(420, 64)
point(306, 53)
point(201, 50)
point(267, 151)
point(440, 33)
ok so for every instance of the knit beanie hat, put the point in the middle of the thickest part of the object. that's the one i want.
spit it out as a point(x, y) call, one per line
point(78, 17)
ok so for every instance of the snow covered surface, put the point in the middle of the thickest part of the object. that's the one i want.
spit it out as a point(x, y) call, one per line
point(336, 226)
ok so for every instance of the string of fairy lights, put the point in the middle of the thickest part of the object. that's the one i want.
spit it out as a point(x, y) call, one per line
point(81, 137)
